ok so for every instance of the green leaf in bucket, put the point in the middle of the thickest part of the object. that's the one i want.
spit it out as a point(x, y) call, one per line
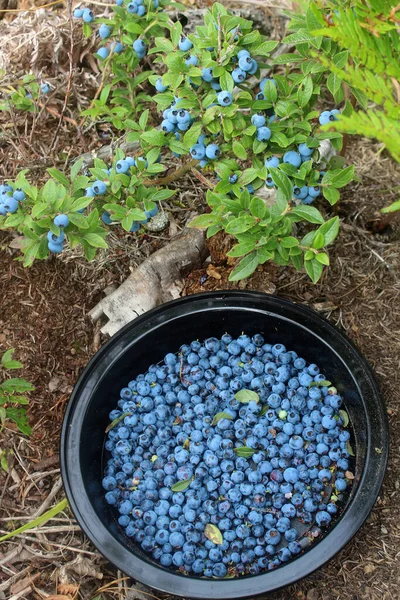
point(213, 534)
point(345, 417)
point(244, 451)
point(117, 420)
point(179, 486)
point(221, 415)
point(322, 383)
point(349, 448)
point(247, 396)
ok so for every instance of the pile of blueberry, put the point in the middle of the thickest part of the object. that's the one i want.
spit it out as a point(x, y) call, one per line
point(220, 454)
point(9, 199)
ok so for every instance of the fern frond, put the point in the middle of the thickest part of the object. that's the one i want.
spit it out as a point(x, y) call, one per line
point(372, 124)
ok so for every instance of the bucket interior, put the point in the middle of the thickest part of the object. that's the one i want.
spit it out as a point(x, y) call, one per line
point(135, 354)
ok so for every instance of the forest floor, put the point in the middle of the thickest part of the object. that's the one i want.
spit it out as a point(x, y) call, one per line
point(43, 315)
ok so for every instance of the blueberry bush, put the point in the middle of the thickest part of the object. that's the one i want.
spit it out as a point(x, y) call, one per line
point(13, 400)
point(256, 139)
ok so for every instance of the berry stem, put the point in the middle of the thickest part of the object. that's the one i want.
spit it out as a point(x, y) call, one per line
point(172, 176)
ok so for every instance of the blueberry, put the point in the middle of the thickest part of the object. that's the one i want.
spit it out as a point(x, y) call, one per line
point(324, 117)
point(160, 87)
point(224, 98)
point(185, 44)
point(104, 31)
point(206, 75)
point(198, 151)
point(78, 13)
point(246, 63)
point(238, 75)
point(305, 150)
point(212, 151)
point(99, 188)
point(61, 221)
point(292, 158)
point(88, 15)
point(122, 166)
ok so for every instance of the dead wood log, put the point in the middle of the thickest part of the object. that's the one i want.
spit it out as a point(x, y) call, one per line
point(157, 280)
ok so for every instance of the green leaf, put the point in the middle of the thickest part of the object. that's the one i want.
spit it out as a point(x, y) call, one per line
point(323, 383)
point(7, 361)
point(245, 268)
point(3, 460)
point(318, 241)
point(265, 48)
point(203, 221)
point(289, 242)
point(339, 178)
point(331, 194)
point(239, 150)
point(314, 269)
point(38, 521)
point(329, 230)
point(270, 92)
point(241, 249)
point(221, 415)
point(87, 30)
point(179, 486)
point(154, 137)
point(95, 240)
point(244, 451)
point(16, 385)
point(308, 213)
point(258, 208)
point(240, 224)
point(345, 417)
point(305, 91)
point(144, 117)
point(80, 203)
point(334, 85)
point(192, 135)
point(394, 207)
point(79, 220)
point(348, 448)
point(282, 182)
point(60, 177)
point(226, 82)
point(246, 396)
point(117, 420)
point(323, 258)
point(213, 534)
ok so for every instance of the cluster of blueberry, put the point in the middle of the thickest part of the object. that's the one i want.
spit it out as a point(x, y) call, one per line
point(306, 194)
point(263, 132)
point(174, 119)
point(136, 7)
point(9, 199)
point(221, 452)
point(327, 116)
point(55, 243)
point(99, 188)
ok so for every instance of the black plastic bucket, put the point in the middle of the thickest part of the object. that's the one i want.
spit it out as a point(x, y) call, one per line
point(146, 341)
